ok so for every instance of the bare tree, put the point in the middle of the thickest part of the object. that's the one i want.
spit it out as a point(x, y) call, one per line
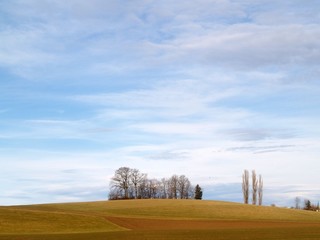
point(297, 202)
point(153, 188)
point(115, 193)
point(173, 187)
point(131, 183)
point(260, 189)
point(254, 187)
point(143, 188)
point(164, 186)
point(121, 181)
point(189, 190)
point(245, 186)
point(136, 178)
point(183, 186)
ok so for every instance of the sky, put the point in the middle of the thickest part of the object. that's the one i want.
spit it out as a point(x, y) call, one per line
point(204, 88)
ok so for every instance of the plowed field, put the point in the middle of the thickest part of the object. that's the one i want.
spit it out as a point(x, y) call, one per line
point(161, 224)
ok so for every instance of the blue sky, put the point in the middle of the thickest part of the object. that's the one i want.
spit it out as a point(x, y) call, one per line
point(205, 88)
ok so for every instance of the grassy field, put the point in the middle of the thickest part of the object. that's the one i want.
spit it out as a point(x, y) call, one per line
point(156, 219)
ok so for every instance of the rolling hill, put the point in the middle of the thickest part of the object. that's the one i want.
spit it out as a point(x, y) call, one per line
point(156, 219)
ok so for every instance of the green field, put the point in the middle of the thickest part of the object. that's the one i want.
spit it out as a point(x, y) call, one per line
point(156, 219)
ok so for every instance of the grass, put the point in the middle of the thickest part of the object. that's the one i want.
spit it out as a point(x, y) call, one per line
point(35, 221)
point(156, 219)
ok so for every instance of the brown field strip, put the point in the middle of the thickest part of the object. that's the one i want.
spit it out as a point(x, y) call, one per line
point(161, 224)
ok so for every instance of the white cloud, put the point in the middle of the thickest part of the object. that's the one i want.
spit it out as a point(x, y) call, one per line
point(249, 46)
point(207, 87)
point(105, 37)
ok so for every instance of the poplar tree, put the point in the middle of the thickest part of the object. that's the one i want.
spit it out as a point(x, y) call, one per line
point(245, 186)
point(254, 187)
point(260, 190)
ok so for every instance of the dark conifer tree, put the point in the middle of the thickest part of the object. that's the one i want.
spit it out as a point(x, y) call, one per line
point(198, 192)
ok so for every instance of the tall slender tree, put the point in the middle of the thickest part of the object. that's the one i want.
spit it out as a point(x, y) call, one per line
point(245, 186)
point(254, 187)
point(260, 190)
point(297, 202)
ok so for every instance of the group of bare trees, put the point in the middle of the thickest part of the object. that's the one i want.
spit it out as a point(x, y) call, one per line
point(256, 187)
point(130, 183)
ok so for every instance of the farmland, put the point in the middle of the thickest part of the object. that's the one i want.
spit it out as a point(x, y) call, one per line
point(156, 219)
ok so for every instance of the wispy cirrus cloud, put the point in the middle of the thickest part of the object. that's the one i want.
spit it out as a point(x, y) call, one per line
point(208, 88)
point(254, 134)
point(234, 38)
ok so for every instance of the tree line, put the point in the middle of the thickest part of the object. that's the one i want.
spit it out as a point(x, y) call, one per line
point(128, 183)
point(307, 205)
point(256, 187)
